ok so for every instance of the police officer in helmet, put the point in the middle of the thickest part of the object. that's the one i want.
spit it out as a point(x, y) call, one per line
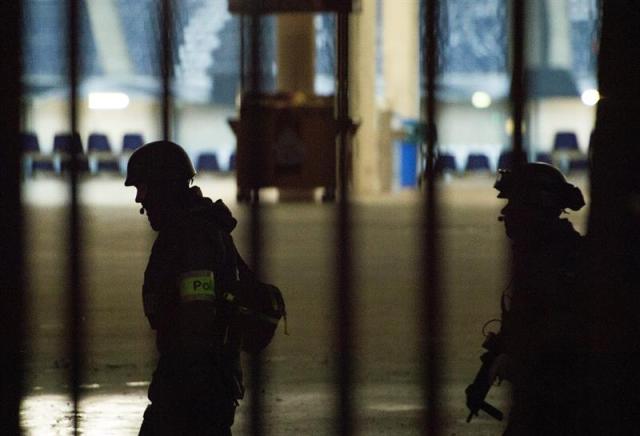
point(160, 171)
point(198, 380)
point(537, 195)
point(543, 317)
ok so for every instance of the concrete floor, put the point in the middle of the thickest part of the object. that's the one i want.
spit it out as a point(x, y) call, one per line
point(299, 396)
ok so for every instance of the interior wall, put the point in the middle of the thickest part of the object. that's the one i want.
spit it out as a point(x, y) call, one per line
point(202, 128)
point(461, 123)
point(561, 114)
point(464, 129)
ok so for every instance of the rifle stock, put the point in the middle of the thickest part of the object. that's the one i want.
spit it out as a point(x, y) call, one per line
point(477, 391)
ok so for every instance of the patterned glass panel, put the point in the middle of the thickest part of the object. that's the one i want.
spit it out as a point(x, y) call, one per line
point(140, 25)
point(584, 21)
point(325, 26)
point(473, 36)
point(45, 43)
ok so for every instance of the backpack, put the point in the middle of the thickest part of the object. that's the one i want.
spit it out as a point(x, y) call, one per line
point(260, 307)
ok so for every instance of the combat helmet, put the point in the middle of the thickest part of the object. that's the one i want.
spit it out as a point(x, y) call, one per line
point(540, 185)
point(159, 161)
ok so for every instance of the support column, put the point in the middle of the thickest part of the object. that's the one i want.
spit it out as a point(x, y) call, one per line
point(366, 155)
point(401, 57)
point(400, 71)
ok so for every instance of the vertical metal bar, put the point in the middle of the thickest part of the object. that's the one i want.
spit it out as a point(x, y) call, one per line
point(76, 300)
point(344, 299)
point(11, 221)
point(254, 124)
point(243, 68)
point(166, 59)
point(518, 82)
point(432, 309)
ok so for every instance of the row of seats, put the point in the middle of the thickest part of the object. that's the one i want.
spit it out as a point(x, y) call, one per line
point(96, 143)
point(477, 162)
point(208, 162)
point(565, 154)
point(565, 141)
point(99, 158)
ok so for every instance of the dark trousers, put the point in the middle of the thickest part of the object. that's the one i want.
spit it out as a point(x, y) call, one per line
point(190, 395)
point(548, 397)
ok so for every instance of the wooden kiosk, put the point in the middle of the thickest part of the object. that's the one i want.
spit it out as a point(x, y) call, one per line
point(298, 132)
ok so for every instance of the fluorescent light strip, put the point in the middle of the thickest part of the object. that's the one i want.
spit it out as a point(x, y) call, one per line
point(108, 100)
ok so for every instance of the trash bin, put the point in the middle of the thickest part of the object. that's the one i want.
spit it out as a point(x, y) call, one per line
point(407, 156)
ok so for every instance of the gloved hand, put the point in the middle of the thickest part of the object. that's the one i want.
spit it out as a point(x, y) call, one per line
point(501, 369)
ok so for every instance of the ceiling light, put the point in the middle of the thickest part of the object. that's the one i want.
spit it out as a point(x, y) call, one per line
point(108, 100)
point(590, 97)
point(481, 100)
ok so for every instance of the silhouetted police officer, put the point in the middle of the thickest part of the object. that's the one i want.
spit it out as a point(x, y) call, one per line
point(197, 382)
point(543, 315)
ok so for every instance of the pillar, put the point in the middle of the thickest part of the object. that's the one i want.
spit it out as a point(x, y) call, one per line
point(366, 154)
point(400, 24)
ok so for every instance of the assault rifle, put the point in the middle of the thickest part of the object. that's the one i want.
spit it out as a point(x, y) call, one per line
point(477, 391)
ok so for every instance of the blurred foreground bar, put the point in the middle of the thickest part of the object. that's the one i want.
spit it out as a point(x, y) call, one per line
point(275, 6)
point(11, 223)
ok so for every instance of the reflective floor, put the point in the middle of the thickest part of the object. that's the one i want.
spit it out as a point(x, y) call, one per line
point(299, 253)
point(100, 414)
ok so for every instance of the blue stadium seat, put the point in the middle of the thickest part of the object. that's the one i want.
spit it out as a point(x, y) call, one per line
point(101, 156)
point(63, 143)
point(33, 159)
point(131, 141)
point(42, 165)
point(544, 157)
point(83, 164)
point(30, 143)
point(578, 164)
point(207, 162)
point(446, 162)
point(110, 166)
point(477, 162)
point(565, 141)
point(566, 151)
point(98, 143)
point(505, 160)
point(232, 162)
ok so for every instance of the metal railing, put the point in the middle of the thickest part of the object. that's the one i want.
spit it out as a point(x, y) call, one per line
point(431, 332)
point(11, 222)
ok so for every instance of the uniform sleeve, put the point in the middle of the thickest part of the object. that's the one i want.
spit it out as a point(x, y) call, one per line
point(182, 269)
point(157, 289)
point(201, 253)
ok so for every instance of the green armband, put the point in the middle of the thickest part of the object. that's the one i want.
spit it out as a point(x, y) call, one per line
point(197, 285)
